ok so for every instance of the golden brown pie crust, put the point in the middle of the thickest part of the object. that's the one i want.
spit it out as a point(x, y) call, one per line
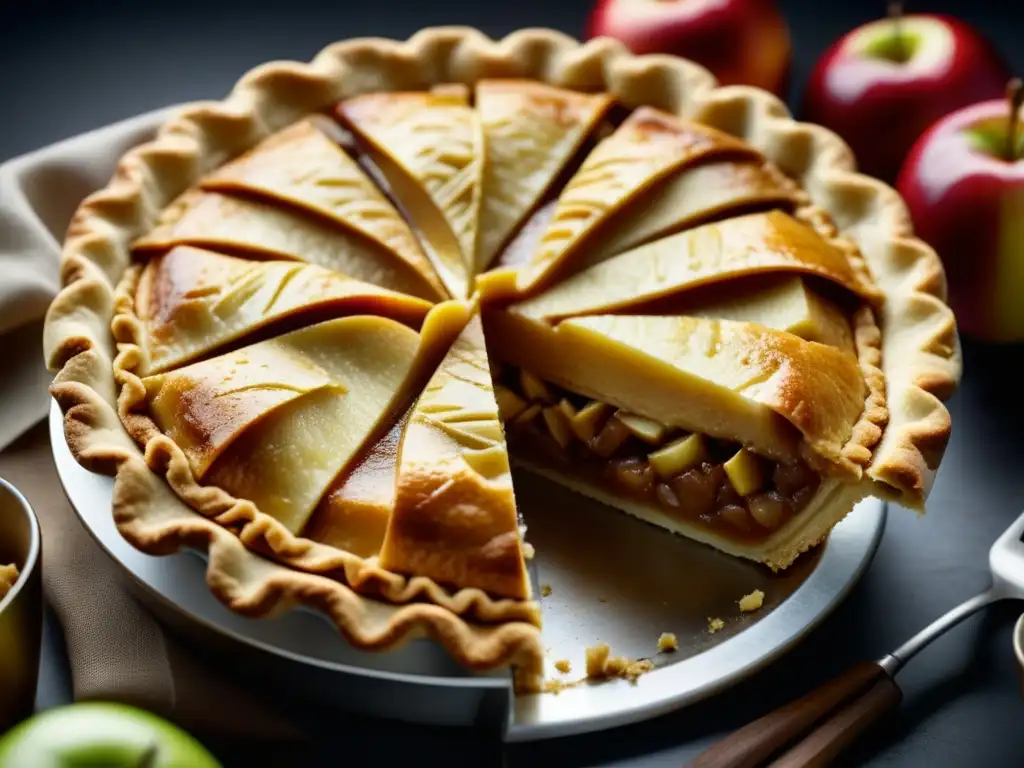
point(915, 363)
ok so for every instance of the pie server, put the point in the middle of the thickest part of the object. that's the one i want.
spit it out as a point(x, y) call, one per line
point(813, 730)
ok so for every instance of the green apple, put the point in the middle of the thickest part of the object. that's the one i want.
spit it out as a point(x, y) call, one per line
point(94, 734)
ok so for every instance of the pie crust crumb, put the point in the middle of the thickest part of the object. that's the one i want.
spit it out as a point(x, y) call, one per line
point(564, 666)
point(668, 642)
point(528, 551)
point(601, 664)
point(752, 602)
point(545, 590)
point(715, 624)
point(8, 577)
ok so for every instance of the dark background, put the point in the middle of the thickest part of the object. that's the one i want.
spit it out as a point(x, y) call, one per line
point(70, 65)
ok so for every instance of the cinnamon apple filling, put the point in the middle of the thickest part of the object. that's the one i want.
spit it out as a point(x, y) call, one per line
point(718, 485)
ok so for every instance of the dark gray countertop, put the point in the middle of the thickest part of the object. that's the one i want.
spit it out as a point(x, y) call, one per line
point(69, 66)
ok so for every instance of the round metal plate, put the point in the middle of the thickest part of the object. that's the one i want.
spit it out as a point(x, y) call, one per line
point(612, 579)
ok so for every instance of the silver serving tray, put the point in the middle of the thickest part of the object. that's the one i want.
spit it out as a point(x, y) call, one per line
point(613, 579)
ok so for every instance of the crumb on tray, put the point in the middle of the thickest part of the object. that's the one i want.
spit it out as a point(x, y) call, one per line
point(668, 642)
point(545, 590)
point(715, 624)
point(752, 602)
point(564, 666)
point(528, 551)
point(8, 577)
point(601, 664)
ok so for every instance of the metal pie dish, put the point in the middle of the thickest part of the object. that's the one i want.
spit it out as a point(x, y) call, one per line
point(597, 595)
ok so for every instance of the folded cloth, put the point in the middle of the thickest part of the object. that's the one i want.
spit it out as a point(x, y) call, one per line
point(117, 650)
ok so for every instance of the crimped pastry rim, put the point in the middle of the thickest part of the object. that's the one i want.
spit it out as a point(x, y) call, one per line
point(917, 326)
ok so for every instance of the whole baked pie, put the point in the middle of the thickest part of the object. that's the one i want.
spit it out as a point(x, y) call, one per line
point(311, 327)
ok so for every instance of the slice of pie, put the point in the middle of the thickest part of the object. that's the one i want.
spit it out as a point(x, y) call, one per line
point(455, 517)
point(531, 132)
point(647, 148)
point(729, 432)
point(262, 230)
point(303, 167)
point(732, 251)
point(670, 298)
point(429, 149)
point(190, 302)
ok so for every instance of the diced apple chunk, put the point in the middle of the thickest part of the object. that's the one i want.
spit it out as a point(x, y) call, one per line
point(648, 430)
point(529, 414)
point(678, 456)
point(588, 420)
point(534, 389)
point(510, 404)
point(567, 408)
point(745, 473)
point(768, 509)
point(558, 425)
point(634, 473)
point(610, 438)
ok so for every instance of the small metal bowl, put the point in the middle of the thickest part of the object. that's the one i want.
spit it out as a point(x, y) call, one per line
point(21, 610)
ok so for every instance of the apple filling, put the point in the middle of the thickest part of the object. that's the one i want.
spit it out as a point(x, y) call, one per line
point(714, 484)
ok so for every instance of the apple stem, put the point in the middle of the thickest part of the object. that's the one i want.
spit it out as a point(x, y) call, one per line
point(896, 16)
point(1015, 96)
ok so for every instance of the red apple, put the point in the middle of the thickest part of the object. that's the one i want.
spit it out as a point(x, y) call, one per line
point(964, 186)
point(740, 41)
point(884, 83)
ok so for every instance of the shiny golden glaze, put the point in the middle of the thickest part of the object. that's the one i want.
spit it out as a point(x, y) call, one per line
point(729, 380)
point(647, 147)
point(429, 143)
point(194, 301)
point(354, 514)
point(274, 438)
point(531, 130)
point(759, 243)
point(206, 406)
point(302, 167)
point(260, 230)
point(455, 516)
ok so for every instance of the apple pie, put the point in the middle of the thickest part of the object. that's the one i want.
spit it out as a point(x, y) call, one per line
point(310, 329)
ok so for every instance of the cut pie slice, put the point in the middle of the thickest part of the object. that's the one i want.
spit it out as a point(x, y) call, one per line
point(531, 130)
point(783, 302)
point(647, 147)
point(724, 429)
point(303, 167)
point(455, 516)
point(191, 301)
point(354, 514)
point(755, 244)
point(278, 421)
point(428, 146)
point(691, 197)
point(255, 229)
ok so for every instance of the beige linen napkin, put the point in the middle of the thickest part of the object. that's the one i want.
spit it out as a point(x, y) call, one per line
point(117, 650)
